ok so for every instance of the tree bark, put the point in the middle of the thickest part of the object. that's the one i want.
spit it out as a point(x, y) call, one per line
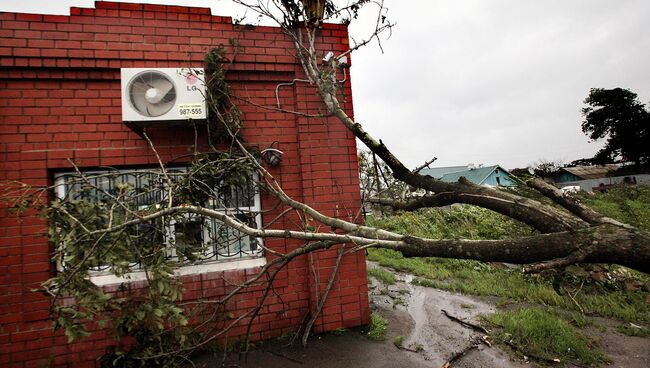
point(598, 244)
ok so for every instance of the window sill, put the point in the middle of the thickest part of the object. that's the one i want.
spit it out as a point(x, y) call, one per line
point(103, 280)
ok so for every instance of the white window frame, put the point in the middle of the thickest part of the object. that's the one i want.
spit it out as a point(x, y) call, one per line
point(220, 263)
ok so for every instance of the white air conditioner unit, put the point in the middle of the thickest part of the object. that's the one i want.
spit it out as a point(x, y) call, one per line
point(151, 95)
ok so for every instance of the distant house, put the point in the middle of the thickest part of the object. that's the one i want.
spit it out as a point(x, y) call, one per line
point(482, 175)
point(594, 178)
point(577, 173)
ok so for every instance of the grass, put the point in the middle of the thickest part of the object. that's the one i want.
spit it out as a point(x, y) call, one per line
point(466, 222)
point(378, 327)
point(542, 334)
point(398, 341)
point(382, 275)
point(629, 204)
point(634, 331)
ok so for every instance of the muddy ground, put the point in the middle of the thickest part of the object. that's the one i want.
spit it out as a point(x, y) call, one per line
point(430, 339)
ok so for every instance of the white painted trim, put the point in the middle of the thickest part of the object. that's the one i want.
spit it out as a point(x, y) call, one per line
point(109, 279)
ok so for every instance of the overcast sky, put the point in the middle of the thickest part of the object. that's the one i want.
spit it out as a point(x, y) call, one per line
point(477, 81)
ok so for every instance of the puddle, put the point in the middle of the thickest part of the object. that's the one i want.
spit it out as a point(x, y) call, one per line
point(439, 338)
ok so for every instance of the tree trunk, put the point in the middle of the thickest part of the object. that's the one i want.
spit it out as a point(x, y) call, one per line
point(598, 244)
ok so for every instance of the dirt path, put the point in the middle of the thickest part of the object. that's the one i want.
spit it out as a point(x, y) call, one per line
point(436, 337)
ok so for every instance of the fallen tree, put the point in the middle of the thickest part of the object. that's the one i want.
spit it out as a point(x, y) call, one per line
point(572, 234)
point(90, 235)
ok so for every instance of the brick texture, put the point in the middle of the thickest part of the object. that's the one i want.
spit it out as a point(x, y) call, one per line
point(60, 100)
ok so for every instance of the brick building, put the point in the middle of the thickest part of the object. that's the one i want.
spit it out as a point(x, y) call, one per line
point(60, 99)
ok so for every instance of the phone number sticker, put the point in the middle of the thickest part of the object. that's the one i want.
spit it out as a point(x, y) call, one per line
point(190, 110)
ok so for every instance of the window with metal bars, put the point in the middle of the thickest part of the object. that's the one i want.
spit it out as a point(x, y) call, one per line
point(189, 239)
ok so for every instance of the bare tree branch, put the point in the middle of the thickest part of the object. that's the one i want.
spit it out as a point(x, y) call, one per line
point(424, 165)
point(321, 303)
point(572, 204)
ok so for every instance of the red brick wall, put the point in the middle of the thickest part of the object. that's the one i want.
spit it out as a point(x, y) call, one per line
point(60, 100)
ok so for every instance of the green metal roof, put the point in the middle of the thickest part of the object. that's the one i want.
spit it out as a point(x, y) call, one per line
point(451, 174)
point(476, 176)
point(439, 172)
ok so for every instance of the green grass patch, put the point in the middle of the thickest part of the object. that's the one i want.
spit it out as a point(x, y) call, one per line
point(382, 275)
point(627, 203)
point(378, 327)
point(545, 335)
point(575, 319)
point(458, 222)
point(634, 331)
point(501, 283)
point(398, 341)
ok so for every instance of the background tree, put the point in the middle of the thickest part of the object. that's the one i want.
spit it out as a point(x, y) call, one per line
point(522, 174)
point(617, 114)
point(546, 167)
point(374, 176)
point(581, 162)
point(376, 180)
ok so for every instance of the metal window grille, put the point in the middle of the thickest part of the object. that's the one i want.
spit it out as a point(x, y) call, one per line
point(189, 239)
